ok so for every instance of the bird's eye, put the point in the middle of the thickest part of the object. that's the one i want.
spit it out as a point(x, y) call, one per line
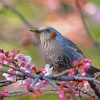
point(48, 30)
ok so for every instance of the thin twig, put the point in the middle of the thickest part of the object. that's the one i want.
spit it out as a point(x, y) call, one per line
point(18, 14)
point(95, 88)
point(5, 83)
point(62, 73)
point(8, 66)
point(84, 91)
point(50, 81)
point(79, 9)
point(50, 78)
point(11, 73)
point(17, 93)
point(34, 83)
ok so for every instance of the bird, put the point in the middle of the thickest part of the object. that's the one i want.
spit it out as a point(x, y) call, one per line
point(60, 52)
point(57, 51)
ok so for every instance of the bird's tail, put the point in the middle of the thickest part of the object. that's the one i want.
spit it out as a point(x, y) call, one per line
point(93, 70)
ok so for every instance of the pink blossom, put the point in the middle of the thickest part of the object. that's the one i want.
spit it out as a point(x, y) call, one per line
point(10, 77)
point(22, 57)
point(12, 55)
point(9, 60)
point(2, 57)
point(82, 70)
point(87, 61)
point(3, 94)
point(33, 67)
point(86, 64)
point(62, 94)
point(27, 81)
point(22, 63)
point(71, 73)
point(6, 53)
point(83, 74)
point(63, 83)
point(28, 68)
point(75, 63)
point(44, 71)
point(25, 63)
point(71, 90)
point(16, 51)
point(86, 68)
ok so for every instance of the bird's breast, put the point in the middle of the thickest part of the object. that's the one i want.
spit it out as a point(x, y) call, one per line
point(59, 56)
point(53, 54)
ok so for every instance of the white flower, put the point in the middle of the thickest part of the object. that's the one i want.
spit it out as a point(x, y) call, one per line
point(25, 69)
point(12, 78)
point(5, 62)
point(86, 86)
point(19, 56)
point(48, 69)
point(5, 75)
point(28, 59)
point(9, 77)
point(22, 57)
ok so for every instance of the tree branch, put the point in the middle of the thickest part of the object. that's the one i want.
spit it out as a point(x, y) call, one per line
point(26, 22)
point(79, 9)
point(24, 74)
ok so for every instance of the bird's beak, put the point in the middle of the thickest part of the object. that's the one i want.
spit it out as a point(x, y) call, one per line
point(33, 30)
point(36, 30)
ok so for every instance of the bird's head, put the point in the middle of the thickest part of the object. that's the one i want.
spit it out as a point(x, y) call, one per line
point(46, 33)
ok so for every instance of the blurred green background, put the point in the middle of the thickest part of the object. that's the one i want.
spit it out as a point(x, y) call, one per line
point(61, 14)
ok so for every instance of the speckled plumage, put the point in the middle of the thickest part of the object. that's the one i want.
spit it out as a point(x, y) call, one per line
point(59, 52)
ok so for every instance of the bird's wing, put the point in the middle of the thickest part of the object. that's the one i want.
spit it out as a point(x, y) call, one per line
point(70, 43)
point(73, 53)
point(67, 42)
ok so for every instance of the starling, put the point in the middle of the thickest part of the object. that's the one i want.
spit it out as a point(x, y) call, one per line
point(58, 51)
